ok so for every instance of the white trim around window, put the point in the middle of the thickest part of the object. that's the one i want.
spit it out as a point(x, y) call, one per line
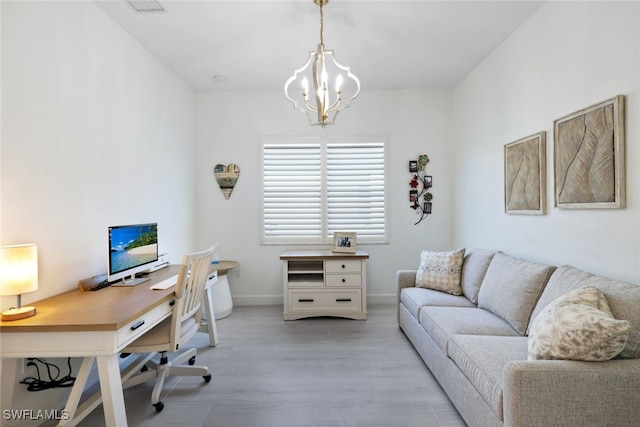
point(311, 187)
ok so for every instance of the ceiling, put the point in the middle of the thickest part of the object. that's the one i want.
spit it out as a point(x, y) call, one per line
point(256, 45)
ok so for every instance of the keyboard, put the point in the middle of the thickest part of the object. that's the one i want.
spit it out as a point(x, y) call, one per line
point(165, 284)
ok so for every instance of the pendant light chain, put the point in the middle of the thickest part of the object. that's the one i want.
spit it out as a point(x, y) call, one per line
point(321, 24)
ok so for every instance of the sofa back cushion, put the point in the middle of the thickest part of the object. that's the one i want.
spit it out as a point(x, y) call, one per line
point(563, 280)
point(475, 265)
point(623, 299)
point(511, 288)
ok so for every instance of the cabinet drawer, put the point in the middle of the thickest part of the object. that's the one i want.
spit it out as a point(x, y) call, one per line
point(328, 302)
point(343, 266)
point(344, 280)
point(128, 333)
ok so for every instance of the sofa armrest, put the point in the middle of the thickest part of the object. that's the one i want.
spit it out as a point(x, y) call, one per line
point(404, 279)
point(571, 393)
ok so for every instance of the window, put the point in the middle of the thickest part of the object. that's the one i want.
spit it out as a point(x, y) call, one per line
point(315, 186)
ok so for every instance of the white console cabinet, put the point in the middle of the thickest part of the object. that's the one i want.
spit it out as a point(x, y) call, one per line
point(324, 283)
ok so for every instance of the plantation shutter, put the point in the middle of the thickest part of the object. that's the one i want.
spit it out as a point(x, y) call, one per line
point(292, 180)
point(355, 190)
point(313, 187)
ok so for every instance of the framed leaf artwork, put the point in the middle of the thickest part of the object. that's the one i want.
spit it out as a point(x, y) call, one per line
point(525, 176)
point(589, 157)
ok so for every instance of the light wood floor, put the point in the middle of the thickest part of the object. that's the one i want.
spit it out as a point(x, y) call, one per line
point(320, 372)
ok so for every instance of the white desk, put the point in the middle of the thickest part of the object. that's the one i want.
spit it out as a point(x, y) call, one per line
point(93, 325)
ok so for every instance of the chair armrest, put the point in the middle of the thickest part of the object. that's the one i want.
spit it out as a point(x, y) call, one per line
point(404, 279)
point(571, 393)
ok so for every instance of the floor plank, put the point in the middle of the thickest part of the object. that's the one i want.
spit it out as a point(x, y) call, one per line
point(316, 372)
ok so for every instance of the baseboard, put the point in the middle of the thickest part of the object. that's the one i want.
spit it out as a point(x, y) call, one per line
point(381, 299)
point(257, 299)
point(277, 299)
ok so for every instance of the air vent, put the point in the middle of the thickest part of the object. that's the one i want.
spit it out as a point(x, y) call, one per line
point(146, 6)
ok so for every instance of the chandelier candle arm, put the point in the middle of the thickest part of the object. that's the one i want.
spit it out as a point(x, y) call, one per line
point(320, 65)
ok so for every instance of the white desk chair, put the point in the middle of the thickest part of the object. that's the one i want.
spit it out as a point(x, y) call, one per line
point(172, 333)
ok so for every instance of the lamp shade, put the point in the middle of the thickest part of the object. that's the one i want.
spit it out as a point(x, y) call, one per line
point(18, 269)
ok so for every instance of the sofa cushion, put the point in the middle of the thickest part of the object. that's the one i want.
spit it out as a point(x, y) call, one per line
point(441, 323)
point(479, 360)
point(415, 298)
point(511, 288)
point(564, 279)
point(475, 265)
point(577, 326)
point(441, 271)
point(623, 299)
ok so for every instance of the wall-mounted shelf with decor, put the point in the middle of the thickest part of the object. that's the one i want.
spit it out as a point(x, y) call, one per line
point(419, 194)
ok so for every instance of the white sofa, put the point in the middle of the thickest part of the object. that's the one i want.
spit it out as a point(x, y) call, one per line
point(476, 345)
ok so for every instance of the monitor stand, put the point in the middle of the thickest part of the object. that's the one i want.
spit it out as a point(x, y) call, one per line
point(132, 282)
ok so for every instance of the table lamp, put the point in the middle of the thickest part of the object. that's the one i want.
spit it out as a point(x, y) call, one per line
point(18, 274)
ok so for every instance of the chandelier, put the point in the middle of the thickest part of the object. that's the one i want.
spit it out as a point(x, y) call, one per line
point(325, 101)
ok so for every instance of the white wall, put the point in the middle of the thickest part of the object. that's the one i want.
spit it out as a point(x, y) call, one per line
point(229, 125)
point(567, 56)
point(95, 132)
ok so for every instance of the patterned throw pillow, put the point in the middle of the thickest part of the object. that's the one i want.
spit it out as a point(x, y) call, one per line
point(440, 271)
point(578, 326)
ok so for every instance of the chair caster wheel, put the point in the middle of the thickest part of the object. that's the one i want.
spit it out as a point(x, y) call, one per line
point(207, 378)
point(144, 368)
point(159, 406)
point(192, 360)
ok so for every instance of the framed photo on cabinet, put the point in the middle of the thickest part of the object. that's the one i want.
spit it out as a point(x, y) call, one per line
point(344, 242)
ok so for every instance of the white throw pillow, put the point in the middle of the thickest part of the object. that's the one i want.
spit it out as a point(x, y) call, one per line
point(578, 326)
point(441, 271)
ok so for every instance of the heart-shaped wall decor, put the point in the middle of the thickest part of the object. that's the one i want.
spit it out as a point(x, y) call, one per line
point(227, 176)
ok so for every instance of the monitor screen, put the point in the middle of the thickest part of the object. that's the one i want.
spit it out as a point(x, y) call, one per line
point(131, 249)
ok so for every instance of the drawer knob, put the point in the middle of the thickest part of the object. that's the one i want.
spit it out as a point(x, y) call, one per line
point(137, 325)
point(305, 300)
point(344, 266)
point(344, 280)
point(343, 299)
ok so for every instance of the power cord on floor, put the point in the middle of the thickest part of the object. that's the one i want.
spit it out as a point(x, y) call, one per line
point(39, 384)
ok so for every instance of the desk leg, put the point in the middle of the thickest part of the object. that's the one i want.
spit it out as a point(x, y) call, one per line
point(76, 392)
point(211, 317)
point(9, 379)
point(115, 414)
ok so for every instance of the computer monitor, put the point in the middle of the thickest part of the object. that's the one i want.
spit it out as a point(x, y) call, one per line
point(132, 249)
